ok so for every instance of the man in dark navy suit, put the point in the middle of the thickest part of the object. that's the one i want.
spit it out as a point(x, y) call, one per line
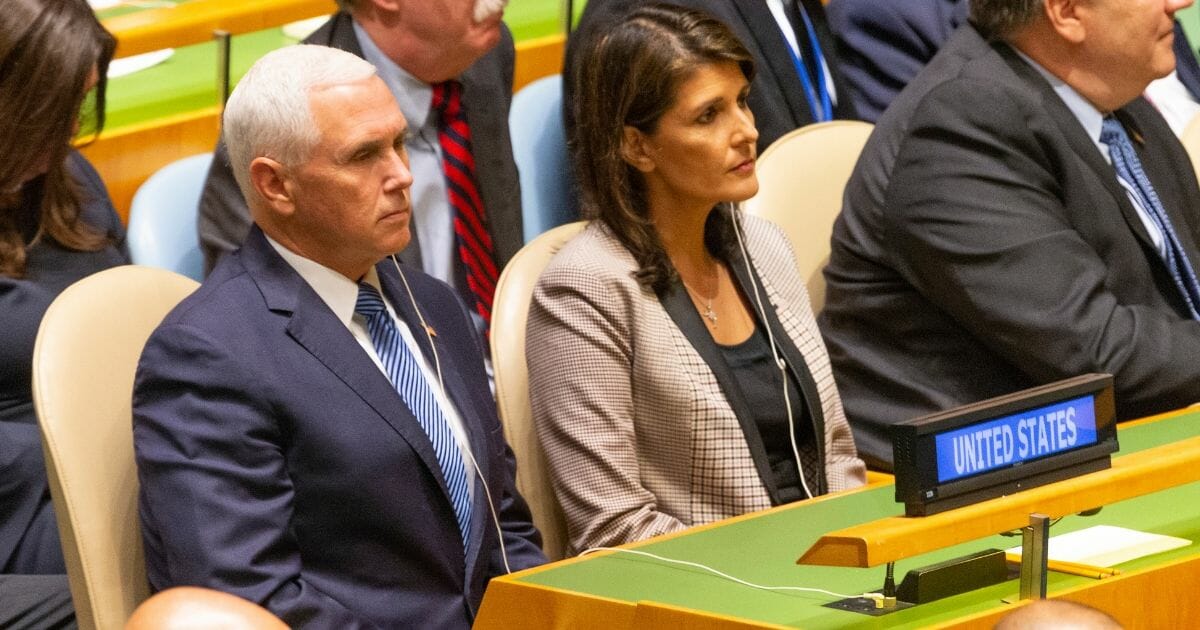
point(1020, 215)
point(313, 427)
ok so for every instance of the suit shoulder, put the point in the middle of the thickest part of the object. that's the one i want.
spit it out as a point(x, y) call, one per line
point(844, 14)
point(423, 285)
point(228, 294)
point(764, 230)
point(596, 253)
point(971, 82)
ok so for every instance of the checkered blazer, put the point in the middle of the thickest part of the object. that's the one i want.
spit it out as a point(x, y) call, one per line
point(639, 438)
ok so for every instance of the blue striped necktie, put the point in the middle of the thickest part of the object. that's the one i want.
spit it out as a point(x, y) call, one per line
point(401, 367)
point(1129, 170)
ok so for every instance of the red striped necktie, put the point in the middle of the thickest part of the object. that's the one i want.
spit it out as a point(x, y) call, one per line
point(470, 221)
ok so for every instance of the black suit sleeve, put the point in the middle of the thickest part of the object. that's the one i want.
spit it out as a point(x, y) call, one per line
point(977, 223)
point(215, 487)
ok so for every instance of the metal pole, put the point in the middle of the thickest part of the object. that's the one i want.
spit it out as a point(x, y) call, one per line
point(223, 59)
point(569, 17)
point(1035, 553)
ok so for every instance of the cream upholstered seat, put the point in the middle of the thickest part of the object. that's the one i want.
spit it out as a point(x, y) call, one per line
point(801, 179)
point(1191, 142)
point(510, 310)
point(83, 366)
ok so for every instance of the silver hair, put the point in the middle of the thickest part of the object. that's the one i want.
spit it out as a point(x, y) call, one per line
point(268, 114)
point(999, 19)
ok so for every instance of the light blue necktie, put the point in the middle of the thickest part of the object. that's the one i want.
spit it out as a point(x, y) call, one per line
point(1129, 170)
point(401, 367)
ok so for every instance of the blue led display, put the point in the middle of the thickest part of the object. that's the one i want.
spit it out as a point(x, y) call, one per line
point(1021, 437)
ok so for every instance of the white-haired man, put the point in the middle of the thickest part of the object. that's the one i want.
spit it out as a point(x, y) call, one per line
point(313, 427)
point(1020, 215)
point(449, 63)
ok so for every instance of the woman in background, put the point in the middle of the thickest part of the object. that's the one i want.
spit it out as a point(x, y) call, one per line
point(57, 225)
point(676, 372)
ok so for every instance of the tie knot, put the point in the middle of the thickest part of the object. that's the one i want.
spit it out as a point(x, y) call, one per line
point(369, 303)
point(447, 98)
point(1112, 131)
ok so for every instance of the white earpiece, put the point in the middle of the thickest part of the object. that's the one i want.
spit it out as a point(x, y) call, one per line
point(442, 386)
point(774, 353)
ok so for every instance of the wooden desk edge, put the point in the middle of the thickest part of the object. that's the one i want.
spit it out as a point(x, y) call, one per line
point(194, 22)
point(899, 537)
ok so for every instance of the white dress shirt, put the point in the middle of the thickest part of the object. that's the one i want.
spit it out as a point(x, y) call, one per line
point(789, 33)
point(340, 294)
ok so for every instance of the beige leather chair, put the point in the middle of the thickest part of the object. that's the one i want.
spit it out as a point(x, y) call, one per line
point(510, 310)
point(1191, 142)
point(801, 178)
point(83, 365)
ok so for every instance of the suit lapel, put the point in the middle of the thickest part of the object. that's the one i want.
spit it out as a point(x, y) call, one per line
point(1165, 186)
point(844, 108)
point(791, 354)
point(457, 392)
point(777, 53)
point(1083, 146)
point(681, 310)
point(312, 325)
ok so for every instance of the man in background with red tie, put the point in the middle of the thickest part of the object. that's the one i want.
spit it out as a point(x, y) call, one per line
point(313, 427)
point(449, 64)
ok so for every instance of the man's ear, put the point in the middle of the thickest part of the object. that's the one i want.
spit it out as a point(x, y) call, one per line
point(389, 6)
point(636, 150)
point(271, 180)
point(1068, 18)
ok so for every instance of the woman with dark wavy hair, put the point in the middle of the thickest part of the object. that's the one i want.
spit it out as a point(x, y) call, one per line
point(676, 372)
point(57, 225)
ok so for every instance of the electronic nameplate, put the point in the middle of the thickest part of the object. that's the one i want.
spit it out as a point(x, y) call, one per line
point(1004, 445)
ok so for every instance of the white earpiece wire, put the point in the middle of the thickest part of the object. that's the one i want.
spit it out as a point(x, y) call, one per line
point(437, 364)
point(774, 353)
point(726, 576)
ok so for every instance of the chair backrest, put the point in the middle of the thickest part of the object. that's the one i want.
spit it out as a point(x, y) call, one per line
point(83, 365)
point(801, 180)
point(162, 218)
point(540, 151)
point(1191, 142)
point(510, 310)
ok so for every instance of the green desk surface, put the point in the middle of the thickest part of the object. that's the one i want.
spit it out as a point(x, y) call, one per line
point(764, 549)
point(188, 80)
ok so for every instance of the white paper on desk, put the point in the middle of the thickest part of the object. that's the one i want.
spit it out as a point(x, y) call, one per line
point(128, 65)
point(1105, 545)
point(303, 28)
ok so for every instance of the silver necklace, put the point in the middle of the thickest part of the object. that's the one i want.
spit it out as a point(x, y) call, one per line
point(708, 313)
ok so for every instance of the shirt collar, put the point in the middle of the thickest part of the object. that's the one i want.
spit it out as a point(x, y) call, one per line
point(337, 291)
point(414, 96)
point(1091, 118)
